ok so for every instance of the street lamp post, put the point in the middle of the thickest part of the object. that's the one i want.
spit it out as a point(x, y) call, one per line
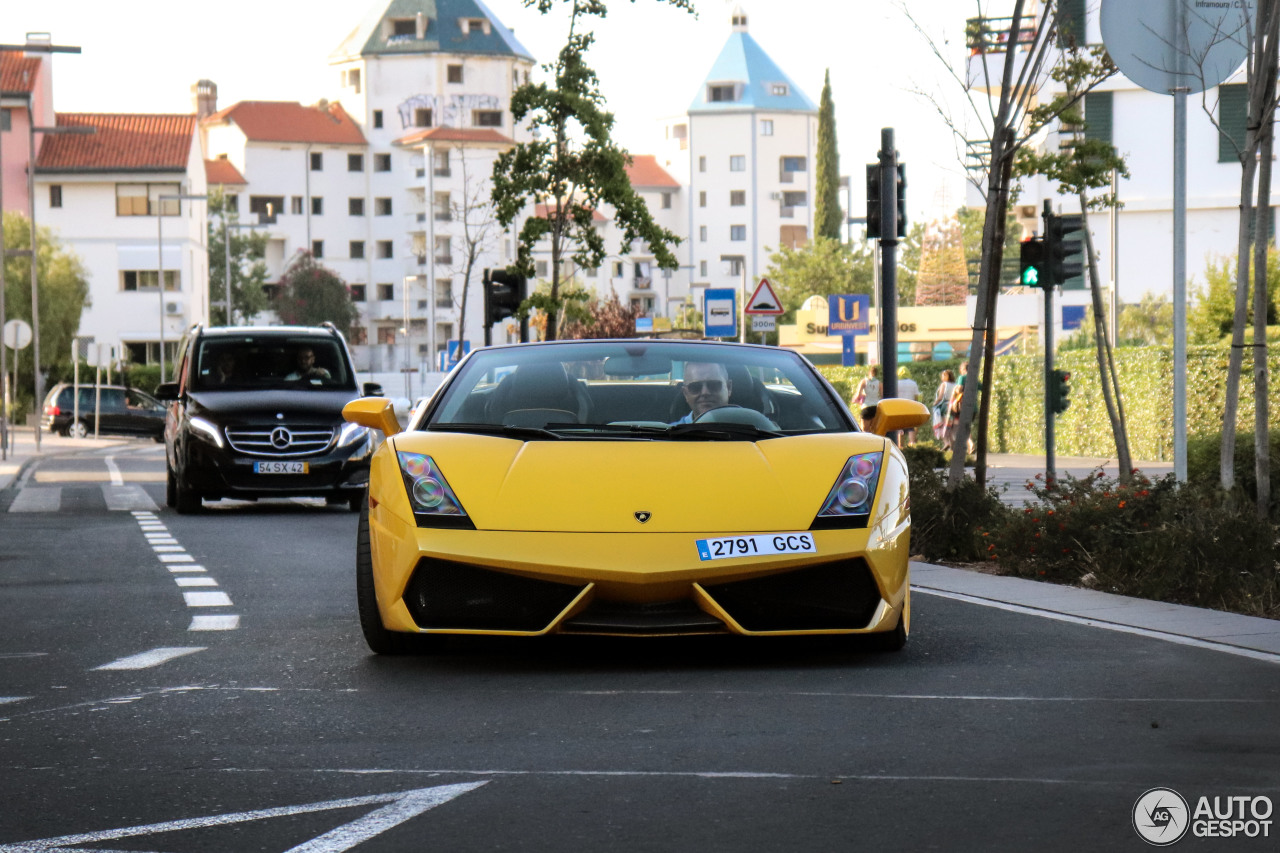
point(160, 200)
point(30, 47)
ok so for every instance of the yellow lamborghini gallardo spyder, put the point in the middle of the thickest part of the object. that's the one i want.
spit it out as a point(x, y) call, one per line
point(634, 487)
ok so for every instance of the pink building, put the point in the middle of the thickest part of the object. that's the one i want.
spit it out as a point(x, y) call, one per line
point(26, 88)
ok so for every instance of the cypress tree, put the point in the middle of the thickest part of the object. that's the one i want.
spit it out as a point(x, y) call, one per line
point(826, 211)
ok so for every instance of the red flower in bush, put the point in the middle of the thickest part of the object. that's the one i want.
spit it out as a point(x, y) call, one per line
point(1121, 504)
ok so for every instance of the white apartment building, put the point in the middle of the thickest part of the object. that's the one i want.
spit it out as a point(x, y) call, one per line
point(108, 196)
point(1135, 250)
point(744, 153)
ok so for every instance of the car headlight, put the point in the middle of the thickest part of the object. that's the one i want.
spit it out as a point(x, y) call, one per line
point(351, 433)
point(850, 500)
point(434, 504)
point(206, 430)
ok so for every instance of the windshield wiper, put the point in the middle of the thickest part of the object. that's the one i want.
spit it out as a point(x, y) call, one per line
point(721, 431)
point(506, 430)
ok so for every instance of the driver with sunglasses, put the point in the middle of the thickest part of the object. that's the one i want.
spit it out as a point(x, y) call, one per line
point(706, 386)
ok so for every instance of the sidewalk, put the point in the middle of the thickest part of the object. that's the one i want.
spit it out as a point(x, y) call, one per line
point(51, 444)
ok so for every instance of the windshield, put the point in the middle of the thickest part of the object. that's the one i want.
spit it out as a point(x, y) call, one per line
point(270, 362)
point(638, 390)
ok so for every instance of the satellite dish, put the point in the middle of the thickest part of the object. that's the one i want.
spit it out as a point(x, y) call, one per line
point(1163, 45)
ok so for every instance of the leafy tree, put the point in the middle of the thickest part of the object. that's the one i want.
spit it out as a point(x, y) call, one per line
point(827, 216)
point(1212, 315)
point(247, 264)
point(572, 166)
point(822, 267)
point(943, 278)
point(311, 294)
point(479, 231)
point(606, 319)
point(63, 288)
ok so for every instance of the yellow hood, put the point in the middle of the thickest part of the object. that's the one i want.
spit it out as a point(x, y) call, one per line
point(599, 486)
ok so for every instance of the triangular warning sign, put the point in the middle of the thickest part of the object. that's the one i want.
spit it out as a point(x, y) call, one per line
point(764, 300)
point(396, 809)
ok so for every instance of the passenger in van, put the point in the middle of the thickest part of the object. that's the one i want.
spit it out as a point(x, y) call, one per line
point(224, 371)
point(306, 366)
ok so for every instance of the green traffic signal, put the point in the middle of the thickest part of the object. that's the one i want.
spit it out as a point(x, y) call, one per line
point(1032, 263)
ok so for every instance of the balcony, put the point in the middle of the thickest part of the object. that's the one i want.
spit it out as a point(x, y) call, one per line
point(989, 41)
point(444, 215)
point(641, 283)
point(787, 212)
point(444, 260)
point(442, 172)
point(444, 301)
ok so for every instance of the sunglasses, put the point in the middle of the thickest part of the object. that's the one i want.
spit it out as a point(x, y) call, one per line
point(712, 385)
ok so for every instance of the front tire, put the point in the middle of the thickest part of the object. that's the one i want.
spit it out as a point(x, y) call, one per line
point(889, 641)
point(170, 488)
point(78, 429)
point(379, 639)
point(186, 500)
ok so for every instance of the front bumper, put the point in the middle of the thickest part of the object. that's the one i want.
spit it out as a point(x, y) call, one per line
point(526, 584)
point(223, 472)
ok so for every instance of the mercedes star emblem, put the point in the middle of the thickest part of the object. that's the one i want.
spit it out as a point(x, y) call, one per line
point(280, 438)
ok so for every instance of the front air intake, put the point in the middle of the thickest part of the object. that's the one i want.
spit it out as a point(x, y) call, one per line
point(444, 595)
point(831, 596)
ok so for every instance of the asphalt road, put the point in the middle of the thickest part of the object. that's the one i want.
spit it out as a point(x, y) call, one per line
point(270, 726)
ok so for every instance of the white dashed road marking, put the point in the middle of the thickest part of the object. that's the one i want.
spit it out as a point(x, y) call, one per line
point(155, 657)
point(195, 581)
point(207, 599)
point(229, 622)
point(187, 574)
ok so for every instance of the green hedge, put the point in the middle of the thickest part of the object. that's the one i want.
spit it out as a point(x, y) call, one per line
point(1146, 385)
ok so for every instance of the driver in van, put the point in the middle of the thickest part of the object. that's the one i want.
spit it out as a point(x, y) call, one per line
point(306, 366)
point(706, 386)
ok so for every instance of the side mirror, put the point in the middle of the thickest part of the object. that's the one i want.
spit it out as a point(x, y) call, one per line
point(373, 412)
point(372, 389)
point(893, 414)
point(166, 392)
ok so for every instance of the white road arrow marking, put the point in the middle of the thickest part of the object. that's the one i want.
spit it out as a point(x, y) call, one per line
point(400, 807)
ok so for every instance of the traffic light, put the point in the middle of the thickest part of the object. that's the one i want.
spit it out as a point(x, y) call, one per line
point(503, 293)
point(902, 200)
point(1064, 248)
point(873, 201)
point(1060, 391)
point(1031, 271)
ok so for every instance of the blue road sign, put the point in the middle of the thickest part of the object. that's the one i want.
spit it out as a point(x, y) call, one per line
point(644, 324)
point(454, 357)
point(848, 354)
point(849, 314)
point(720, 312)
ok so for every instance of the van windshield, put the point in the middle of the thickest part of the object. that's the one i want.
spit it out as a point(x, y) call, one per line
point(274, 362)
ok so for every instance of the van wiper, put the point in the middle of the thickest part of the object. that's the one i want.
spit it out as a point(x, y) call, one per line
point(505, 430)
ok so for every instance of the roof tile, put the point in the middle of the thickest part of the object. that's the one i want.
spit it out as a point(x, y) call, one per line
point(222, 172)
point(17, 72)
point(121, 143)
point(644, 171)
point(455, 134)
point(290, 121)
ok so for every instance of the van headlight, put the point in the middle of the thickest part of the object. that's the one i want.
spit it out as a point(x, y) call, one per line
point(207, 430)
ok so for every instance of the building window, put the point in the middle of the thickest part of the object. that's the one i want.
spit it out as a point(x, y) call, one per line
point(131, 280)
point(317, 248)
point(232, 201)
point(356, 250)
point(295, 205)
point(266, 208)
point(794, 164)
point(443, 210)
point(444, 293)
point(737, 233)
point(1097, 116)
point(386, 292)
point(793, 236)
point(144, 199)
point(454, 73)
point(444, 251)
point(384, 249)
point(358, 293)
point(6, 120)
point(317, 205)
point(737, 163)
point(702, 268)
point(591, 272)
point(1071, 18)
point(486, 118)
point(353, 79)
point(404, 27)
point(440, 163)
point(766, 127)
point(735, 266)
point(702, 163)
point(666, 201)
point(317, 161)
point(779, 89)
point(377, 118)
point(358, 335)
point(355, 207)
point(540, 269)
point(702, 198)
point(798, 198)
point(55, 195)
point(721, 93)
point(387, 334)
point(619, 269)
point(422, 117)
point(382, 162)
point(1233, 111)
point(737, 198)
point(355, 162)
point(702, 233)
point(382, 207)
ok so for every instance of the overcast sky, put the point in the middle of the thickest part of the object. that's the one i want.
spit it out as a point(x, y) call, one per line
point(143, 56)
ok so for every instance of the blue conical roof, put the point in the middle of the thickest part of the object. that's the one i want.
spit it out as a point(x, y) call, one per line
point(444, 31)
point(759, 84)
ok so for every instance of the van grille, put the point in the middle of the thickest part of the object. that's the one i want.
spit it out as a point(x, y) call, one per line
point(280, 440)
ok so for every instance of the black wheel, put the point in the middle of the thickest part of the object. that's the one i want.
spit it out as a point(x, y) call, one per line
point(78, 429)
point(170, 488)
point(357, 502)
point(186, 500)
point(380, 640)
